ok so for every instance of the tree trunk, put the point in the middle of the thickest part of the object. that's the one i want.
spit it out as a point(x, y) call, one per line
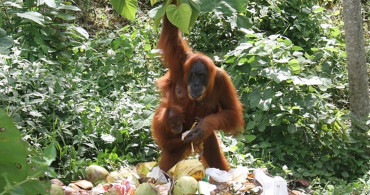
point(356, 63)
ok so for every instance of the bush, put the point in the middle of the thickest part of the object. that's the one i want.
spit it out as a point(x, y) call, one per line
point(93, 99)
point(298, 20)
point(292, 108)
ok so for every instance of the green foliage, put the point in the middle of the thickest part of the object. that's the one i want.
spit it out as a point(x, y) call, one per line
point(84, 104)
point(298, 20)
point(127, 8)
point(75, 100)
point(42, 29)
point(227, 7)
point(288, 97)
point(214, 26)
point(18, 176)
point(185, 14)
point(361, 186)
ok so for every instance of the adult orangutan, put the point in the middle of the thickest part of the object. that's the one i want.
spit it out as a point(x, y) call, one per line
point(194, 88)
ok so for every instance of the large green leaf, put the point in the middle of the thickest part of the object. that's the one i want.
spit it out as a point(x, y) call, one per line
point(254, 98)
point(250, 125)
point(50, 154)
point(13, 151)
point(294, 65)
point(243, 21)
point(63, 16)
point(179, 16)
point(68, 7)
point(12, 4)
point(195, 11)
point(227, 7)
point(2, 32)
point(152, 2)
point(127, 8)
point(278, 75)
point(158, 12)
point(50, 3)
point(5, 42)
point(82, 32)
point(33, 16)
point(16, 175)
point(249, 138)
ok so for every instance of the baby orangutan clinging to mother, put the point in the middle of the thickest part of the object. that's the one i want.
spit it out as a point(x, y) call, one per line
point(193, 89)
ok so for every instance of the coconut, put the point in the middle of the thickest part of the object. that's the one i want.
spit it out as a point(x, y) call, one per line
point(95, 173)
point(146, 189)
point(144, 168)
point(56, 189)
point(190, 167)
point(185, 185)
point(114, 176)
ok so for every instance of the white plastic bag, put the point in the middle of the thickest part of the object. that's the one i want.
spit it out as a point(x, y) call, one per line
point(205, 188)
point(158, 175)
point(271, 186)
point(219, 175)
point(239, 174)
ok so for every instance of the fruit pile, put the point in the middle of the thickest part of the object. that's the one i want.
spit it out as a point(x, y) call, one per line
point(186, 177)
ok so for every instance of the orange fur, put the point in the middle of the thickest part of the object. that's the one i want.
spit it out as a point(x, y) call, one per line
point(219, 109)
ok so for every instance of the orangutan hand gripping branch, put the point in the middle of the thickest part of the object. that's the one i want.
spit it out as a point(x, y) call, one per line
point(194, 88)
